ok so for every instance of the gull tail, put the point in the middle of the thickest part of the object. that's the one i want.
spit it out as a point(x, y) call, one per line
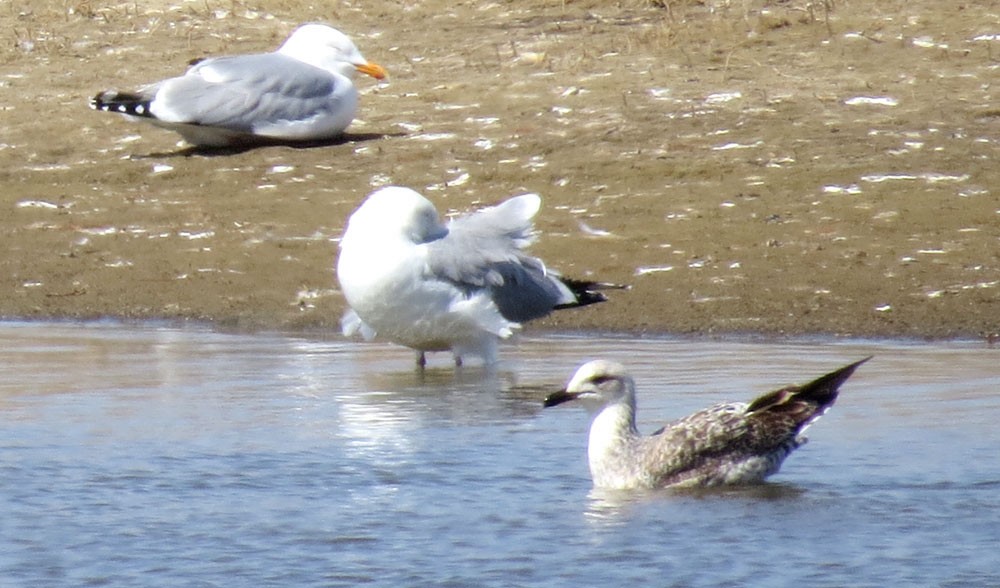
point(586, 292)
point(122, 103)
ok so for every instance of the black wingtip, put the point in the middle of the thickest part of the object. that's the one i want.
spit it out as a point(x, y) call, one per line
point(821, 393)
point(823, 390)
point(838, 377)
point(122, 103)
point(588, 292)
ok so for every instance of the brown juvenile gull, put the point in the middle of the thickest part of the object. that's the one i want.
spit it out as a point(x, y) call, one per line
point(303, 91)
point(434, 287)
point(729, 443)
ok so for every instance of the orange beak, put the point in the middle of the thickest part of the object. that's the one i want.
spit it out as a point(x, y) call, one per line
point(373, 69)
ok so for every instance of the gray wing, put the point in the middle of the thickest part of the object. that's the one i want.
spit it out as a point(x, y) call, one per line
point(484, 251)
point(246, 91)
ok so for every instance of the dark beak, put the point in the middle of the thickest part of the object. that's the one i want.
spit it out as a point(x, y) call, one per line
point(559, 397)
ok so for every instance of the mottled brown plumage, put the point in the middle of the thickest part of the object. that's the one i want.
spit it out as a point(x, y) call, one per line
point(730, 443)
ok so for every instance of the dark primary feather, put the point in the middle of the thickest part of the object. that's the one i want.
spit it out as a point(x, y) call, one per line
point(587, 292)
point(818, 395)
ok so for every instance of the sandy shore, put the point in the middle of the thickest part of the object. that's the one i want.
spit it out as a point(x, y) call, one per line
point(758, 168)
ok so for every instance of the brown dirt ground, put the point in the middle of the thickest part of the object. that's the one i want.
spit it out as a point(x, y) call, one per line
point(748, 167)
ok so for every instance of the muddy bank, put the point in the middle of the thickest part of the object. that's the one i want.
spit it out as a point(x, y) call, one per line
point(761, 167)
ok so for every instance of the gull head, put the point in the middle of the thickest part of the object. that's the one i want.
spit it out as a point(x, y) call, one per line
point(597, 384)
point(327, 48)
point(395, 211)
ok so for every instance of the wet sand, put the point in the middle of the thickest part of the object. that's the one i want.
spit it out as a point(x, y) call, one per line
point(767, 168)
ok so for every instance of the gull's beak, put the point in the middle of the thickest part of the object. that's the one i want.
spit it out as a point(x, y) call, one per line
point(373, 69)
point(559, 397)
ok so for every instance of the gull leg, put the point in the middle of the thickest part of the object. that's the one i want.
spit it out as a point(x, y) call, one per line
point(421, 360)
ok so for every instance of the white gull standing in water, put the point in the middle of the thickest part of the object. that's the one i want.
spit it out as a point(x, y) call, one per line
point(301, 92)
point(730, 443)
point(460, 287)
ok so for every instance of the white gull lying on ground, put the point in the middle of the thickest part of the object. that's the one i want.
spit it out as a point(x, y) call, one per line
point(731, 443)
point(460, 287)
point(301, 92)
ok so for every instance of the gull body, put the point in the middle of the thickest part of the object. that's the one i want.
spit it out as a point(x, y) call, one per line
point(459, 287)
point(303, 91)
point(729, 443)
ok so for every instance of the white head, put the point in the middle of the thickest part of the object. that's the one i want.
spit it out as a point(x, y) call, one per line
point(327, 48)
point(608, 393)
point(597, 384)
point(396, 211)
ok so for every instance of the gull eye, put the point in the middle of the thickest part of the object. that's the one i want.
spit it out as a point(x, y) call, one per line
point(601, 379)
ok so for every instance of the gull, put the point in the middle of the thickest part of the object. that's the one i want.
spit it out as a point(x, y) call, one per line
point(459, 287)
point(301, 92)
point(729, 443)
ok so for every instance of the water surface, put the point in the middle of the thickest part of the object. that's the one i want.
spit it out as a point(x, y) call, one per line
point(145, 455)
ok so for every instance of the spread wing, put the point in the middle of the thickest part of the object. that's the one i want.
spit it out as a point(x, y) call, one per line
point(484, 251)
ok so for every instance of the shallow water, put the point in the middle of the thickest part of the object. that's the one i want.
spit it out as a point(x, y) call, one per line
point(143, 455)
